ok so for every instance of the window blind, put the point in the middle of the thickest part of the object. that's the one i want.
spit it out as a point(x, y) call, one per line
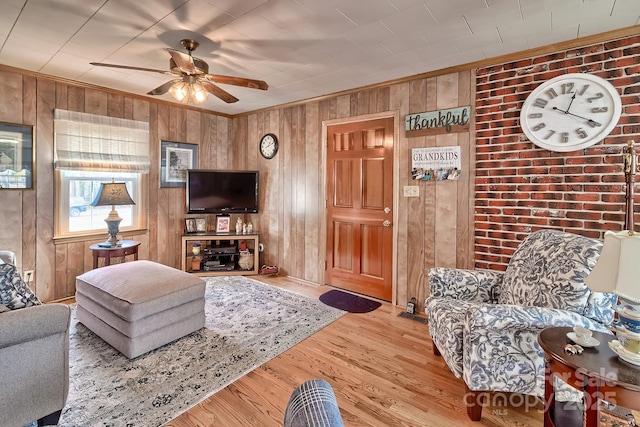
point(98, 143)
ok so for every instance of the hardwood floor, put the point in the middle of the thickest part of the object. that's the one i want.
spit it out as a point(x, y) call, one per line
point(381, 367)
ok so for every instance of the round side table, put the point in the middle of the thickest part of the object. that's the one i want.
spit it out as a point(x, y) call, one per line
point(127, 247)
point(598, 372)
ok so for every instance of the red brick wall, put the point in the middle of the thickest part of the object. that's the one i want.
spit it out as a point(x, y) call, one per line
point(521, 188)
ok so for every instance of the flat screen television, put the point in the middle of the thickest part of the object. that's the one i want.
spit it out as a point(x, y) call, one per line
point(222, 191)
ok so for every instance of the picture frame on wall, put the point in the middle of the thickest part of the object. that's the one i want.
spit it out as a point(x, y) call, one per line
point(17, 156)
point(201, 225)
point(223, 223)
point(175, 159)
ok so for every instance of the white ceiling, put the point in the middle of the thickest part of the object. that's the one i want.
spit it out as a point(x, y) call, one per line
point(301, 48)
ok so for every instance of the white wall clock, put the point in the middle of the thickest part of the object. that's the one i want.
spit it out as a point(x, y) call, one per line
point(268, 146)
point(570, 112)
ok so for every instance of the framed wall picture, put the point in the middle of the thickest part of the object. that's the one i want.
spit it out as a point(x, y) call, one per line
point(17, 156)
point(175, 159)
point(190, 225)
point(222, 223)
point(201, 225)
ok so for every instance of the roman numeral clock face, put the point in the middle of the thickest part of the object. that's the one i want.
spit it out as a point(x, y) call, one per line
point(570, 112)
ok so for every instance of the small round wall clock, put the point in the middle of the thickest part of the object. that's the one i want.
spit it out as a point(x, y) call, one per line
point(268, 146)
point(570, 112)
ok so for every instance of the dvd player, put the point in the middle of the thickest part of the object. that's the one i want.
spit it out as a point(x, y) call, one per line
point(221, 267)
point(220, 250)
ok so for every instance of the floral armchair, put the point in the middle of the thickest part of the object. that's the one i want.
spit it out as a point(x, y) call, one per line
point(485, 323)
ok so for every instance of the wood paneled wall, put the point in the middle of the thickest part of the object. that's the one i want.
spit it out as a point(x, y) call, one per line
point(26, 216)
point(433, 229)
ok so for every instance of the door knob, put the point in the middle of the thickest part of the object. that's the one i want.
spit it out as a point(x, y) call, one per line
point(387, 210)
point(386, 223)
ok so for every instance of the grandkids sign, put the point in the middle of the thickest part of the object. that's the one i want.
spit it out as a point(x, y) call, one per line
point(438, 122)
point(436, 163)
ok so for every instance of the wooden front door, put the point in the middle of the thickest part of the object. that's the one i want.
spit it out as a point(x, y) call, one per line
point(359, 207)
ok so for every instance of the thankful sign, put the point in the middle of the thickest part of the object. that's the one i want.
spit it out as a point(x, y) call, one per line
point(438, 122)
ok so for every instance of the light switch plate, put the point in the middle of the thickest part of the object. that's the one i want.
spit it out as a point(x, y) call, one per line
point(411, 191)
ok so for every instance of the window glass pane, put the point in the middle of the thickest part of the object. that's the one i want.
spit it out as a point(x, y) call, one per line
point(79, 190)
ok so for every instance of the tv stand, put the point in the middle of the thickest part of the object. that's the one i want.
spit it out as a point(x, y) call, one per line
point(220, 254)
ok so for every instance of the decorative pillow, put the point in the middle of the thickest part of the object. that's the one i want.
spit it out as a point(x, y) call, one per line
point(548, 270)
point(14, 292)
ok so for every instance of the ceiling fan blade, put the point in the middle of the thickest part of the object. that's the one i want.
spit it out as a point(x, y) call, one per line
point(215, 90)
point(238, 81)
point(162, 89)
point(183, 61)
point(127, 67)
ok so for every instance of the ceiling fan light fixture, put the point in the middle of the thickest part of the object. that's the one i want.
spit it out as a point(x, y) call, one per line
point(188, 90)
point(192, 81)
point(180, 92)
point(198, 93)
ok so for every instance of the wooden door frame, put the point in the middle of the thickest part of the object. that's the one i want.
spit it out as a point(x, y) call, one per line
point(395, 114)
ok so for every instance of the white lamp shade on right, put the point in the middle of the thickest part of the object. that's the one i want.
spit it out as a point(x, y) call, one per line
point(618, 268)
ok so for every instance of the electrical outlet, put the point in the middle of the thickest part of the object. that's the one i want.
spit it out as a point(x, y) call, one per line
point(411, 191)
point(28, 276)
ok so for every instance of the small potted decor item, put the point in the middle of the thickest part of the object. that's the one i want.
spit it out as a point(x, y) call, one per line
point(195, 248)
point(195, 263)
point(195, 260)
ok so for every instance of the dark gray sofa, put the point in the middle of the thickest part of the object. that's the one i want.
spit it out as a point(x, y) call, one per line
point(34, 363)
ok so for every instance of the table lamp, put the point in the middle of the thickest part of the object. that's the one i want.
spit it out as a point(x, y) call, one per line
point(618, 269)
point(113, 193)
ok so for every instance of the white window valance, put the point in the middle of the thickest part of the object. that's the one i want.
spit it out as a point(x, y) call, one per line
point(98, 143)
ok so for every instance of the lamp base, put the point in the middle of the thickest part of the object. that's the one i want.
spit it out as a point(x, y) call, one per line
point(114, 240)
point(113, 227)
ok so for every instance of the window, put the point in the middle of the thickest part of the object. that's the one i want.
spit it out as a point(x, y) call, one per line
point(90, 150)
point(77, 189)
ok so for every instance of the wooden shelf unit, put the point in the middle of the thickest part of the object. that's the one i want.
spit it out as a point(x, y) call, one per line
point(208, 252)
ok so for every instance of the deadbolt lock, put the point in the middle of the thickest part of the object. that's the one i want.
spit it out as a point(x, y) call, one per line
point(386, 223)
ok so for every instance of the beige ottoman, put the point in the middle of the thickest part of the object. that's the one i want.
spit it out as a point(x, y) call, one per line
point(141, 305)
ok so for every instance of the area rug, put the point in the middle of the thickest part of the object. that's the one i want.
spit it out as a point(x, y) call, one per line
point(247, 324)
point(348, 302)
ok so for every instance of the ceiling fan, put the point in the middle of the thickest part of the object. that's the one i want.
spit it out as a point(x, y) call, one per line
point(193, 82)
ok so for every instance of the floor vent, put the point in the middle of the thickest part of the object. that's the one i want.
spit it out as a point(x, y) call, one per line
point(415, 317)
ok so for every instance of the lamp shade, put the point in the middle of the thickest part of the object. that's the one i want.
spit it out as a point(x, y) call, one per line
point(618, 268)
point(112, 194)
